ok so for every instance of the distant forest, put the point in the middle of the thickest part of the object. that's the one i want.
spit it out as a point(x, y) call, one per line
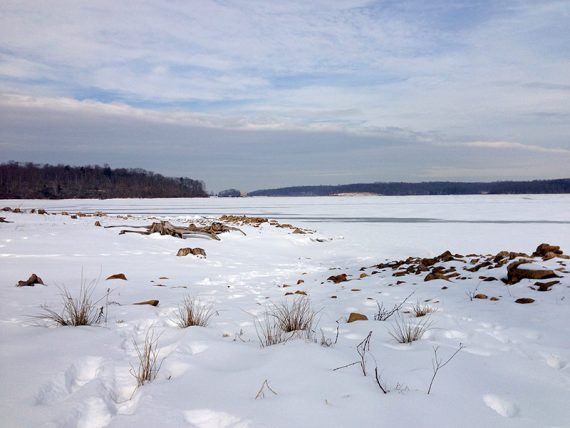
point(33, 181)
point(427, 188)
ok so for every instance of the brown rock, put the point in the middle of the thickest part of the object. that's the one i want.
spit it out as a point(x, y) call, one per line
point(148, 302)
point(98, 223)
point(445, 256)
point(500, 255)
point(199, 252)
point(363, 275)
point(302, 293)
point(42, 211)
point(494, 299)
point(515, 273)
point(545, 286)
point(355, 316)
point(300, 281)
point(524, 300)
point(480, 296)
point(32, 280)
point(543, 249)
point(338, 278)
point(428, 262)
point(400, 273)
point(118, 276)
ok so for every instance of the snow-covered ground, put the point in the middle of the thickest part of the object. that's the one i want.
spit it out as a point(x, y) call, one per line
point(514, 369)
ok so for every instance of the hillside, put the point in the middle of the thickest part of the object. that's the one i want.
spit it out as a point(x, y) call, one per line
point(426, 188)
point(32, 181)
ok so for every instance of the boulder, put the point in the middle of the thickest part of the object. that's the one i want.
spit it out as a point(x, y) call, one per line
point(199, 252)
point(545, 286)
point(338, 278)
point(151, 302)
point(480, 296)
point(32, 280)
point(117, 276)
point(355, 316)
point(516, 271)
point(524, 300)
point(543, 249)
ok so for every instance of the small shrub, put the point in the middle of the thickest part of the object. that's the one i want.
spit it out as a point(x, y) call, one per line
point(192, 313)
point(149, 365)
point(76, 311)
point(408, 330)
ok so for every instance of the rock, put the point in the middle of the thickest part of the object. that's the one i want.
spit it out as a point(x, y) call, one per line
point(42, 211)
point(98, 223)
point(3, 220)
point(333, 297)
point(32, 280)
point(400, 273)
point(302, 293)
point(355, 316)
point(543, 249)
point(480, 296)
point(524, 300)
point(428, 262)
point(151, 302)
point(494, 299)
point(545, 286)
point(73, 216)
point(515, 272)
point(363, 275)
point(300, 281)
point(445, 256)
point(199, 252)
point(338, 278)
point(500, 255)
point(117, 276)
point(298, 231)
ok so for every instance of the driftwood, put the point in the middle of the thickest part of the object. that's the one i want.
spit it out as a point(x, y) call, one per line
point(166, 228)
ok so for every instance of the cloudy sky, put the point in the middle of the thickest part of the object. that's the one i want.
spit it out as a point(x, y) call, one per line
point(259, 93)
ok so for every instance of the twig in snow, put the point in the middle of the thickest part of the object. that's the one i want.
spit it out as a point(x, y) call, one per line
point(437, 363)
point(264, 387)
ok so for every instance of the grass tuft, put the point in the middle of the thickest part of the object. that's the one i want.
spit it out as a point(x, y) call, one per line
point(193, 313)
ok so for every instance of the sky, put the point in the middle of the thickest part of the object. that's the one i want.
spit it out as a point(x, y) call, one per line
point(258, 94)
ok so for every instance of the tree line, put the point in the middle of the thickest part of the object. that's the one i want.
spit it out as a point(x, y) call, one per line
point(34, 181)
point(426, 188)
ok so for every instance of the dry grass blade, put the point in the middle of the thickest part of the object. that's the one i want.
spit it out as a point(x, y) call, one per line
point(269, 332)
point(408, 331)
point(147, 353)
point(76, 311)
point(192, 313)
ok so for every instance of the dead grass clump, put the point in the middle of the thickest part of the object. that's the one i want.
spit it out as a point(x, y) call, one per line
point(76, 311)
point(147, 354)
point(421, 310)
point(406, 330)
point(193, 313)
point(295, 316)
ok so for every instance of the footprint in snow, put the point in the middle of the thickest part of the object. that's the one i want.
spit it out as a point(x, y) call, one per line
point(502, 406)
point(556, 361)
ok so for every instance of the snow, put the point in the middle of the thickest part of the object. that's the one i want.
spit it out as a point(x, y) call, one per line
point(513, 371)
